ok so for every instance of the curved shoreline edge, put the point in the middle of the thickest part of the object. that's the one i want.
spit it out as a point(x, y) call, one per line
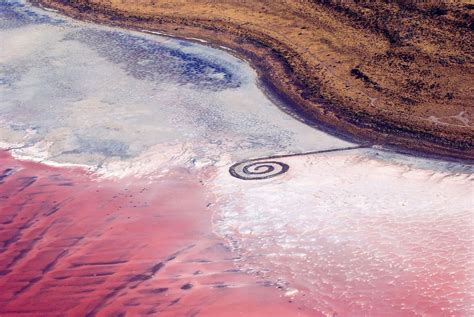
point(359, 127)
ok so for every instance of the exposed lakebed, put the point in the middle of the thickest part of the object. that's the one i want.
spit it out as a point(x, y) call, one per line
point(359, 231)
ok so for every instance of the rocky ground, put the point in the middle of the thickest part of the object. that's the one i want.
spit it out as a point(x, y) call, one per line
point(397, 74)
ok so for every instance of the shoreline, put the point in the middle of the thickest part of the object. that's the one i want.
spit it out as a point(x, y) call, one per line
point(358, 128)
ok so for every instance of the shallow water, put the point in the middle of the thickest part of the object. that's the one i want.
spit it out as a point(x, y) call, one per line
point(78, 93)
point(359, 232)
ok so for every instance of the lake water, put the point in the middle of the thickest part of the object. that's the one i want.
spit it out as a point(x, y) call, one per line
point(342, 230)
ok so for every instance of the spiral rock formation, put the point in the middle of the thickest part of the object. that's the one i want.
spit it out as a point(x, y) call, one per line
point(253, 170)
point(267, 167)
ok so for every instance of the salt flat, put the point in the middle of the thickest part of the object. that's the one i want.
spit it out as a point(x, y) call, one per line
point(357, 233)
point(362, 231)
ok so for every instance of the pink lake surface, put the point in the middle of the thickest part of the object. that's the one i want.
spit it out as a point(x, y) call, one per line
point(78, 246)
point(178, 245)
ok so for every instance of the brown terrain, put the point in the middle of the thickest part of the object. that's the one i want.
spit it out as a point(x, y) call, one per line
point(397, 74)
